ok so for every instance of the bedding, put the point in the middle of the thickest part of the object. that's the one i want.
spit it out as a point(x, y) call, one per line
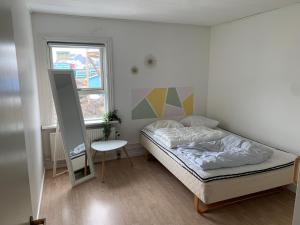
point(222, 187)
point(79, 150)
point(172, 137)
point(278, 160)
point(163, 124)
point(230, 151)
point(194, 121)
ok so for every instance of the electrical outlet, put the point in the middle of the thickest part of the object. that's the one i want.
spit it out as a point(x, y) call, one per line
point(119, 154)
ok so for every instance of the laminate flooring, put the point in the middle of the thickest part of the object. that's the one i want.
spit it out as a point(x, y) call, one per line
point(148, 194)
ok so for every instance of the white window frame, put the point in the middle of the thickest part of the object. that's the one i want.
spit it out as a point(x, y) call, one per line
point(107, 70)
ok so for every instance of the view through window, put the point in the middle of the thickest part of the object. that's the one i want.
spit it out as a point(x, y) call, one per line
point(88, 63)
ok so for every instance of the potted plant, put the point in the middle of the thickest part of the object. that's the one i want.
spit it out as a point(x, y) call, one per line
point(108, 117)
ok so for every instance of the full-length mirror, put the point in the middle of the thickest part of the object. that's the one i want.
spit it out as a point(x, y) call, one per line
point(71, 125)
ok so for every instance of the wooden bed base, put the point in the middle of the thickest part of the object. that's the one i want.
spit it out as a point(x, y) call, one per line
point(296, 170)
point(202, 207)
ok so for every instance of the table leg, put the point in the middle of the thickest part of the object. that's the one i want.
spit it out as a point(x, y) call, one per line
point(126, 153)
point(94, 155)
point(85, 164)
point(103, 167)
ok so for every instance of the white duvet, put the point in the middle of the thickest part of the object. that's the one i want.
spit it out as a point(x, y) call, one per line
point(278, 159)
point(230, 151)
point(173, 137)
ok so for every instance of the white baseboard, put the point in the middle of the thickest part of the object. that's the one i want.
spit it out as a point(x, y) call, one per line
point(134, 150)
point(41, 195)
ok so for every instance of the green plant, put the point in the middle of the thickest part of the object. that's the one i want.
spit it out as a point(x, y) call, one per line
point(106, 130)
point(112, 116)
point(108, 117)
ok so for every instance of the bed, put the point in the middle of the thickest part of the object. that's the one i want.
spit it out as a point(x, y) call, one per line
point(215, 188)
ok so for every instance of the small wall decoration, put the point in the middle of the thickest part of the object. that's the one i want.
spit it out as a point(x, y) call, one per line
point(150, 61)
point(134, 70)
point(150, 103)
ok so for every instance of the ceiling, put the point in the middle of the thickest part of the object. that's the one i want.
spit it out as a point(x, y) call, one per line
point(198, 12)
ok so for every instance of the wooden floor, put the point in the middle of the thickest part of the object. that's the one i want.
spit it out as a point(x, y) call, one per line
point(148, 194)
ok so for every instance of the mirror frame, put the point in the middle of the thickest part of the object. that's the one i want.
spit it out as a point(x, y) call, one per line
point(70, 73)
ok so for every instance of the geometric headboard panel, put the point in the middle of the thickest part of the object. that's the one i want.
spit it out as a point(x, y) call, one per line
point(162, 102)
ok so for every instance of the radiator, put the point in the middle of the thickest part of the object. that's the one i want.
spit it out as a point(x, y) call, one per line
point(92, 134)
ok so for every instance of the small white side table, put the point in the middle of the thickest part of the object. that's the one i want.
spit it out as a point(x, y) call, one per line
point(106, 146)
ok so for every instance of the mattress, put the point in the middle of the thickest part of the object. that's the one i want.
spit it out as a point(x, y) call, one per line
point(222, 184)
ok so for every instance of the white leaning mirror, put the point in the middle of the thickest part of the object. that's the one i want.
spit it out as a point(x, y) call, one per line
point(71, 125)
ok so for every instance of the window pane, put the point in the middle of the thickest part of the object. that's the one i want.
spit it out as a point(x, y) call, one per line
point(92, 105)
point(85, 61)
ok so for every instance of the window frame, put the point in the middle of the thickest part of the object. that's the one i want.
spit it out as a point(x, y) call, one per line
point(107, 81)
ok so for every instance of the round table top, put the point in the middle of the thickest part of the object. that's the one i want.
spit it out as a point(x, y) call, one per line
point(109, 145)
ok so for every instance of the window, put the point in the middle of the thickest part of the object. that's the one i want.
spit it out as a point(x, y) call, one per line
point(89, 62)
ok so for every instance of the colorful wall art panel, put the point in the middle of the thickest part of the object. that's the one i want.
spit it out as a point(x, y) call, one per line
point(150, 103)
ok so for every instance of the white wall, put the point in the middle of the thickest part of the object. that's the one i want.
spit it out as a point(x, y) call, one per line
point(254, 82)
point(182, 53)
point(29, 95)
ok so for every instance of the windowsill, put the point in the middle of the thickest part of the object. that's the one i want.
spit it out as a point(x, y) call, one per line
point(88, 123)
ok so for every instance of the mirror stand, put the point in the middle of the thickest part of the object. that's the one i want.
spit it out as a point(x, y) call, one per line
point(57, 134)
point(71, 127)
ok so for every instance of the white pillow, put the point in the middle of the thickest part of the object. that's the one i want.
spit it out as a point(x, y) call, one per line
point(195, 121)
point(163, 124)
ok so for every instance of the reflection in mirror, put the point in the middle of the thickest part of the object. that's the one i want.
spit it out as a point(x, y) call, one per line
point(71, 125)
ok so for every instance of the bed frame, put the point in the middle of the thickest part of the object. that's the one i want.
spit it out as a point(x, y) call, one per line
point(200, 206)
